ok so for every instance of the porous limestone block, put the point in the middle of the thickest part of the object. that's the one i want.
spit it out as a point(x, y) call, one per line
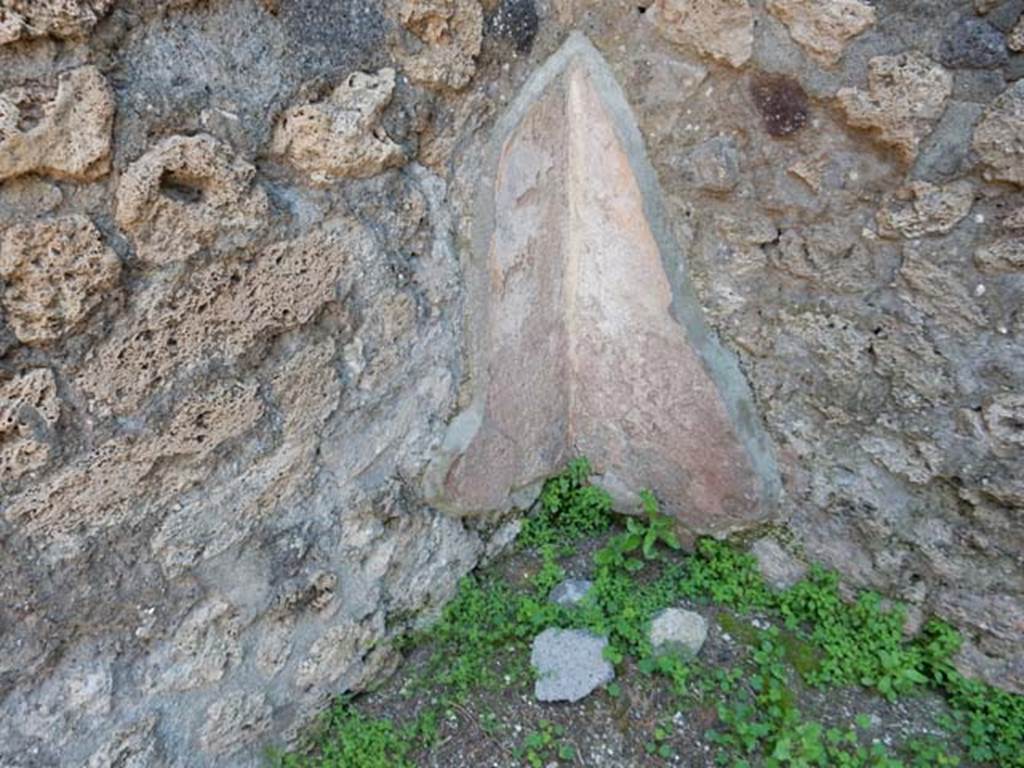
point(28, 19)
point(925, 209)
point(28, 406)
point(56, 272)
point(72, 138)
point(999, 136)
point(906, 94)
point(449, 33)
point(341, 136)
point(823, 27)
point(188, 194)
point(721, 29)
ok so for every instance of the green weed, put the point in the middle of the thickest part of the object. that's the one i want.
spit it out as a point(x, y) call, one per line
point(344, 738)
point(543, 745)
point(481, 641)
point(570, 509)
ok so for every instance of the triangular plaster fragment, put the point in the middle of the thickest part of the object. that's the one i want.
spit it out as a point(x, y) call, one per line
point(584, 337)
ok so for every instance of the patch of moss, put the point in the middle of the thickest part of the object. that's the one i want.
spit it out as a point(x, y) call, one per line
point(801, 655)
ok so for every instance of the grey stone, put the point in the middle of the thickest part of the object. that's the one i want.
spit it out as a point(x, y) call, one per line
point(676, 630)
point(999, 136)
point(570, 592)
point(713, 165)
point(778, 567)
point(944, 153)
point(973, 44)
point(133, 747)
point(235, 721)
point(570, 664)
point(1007, 17)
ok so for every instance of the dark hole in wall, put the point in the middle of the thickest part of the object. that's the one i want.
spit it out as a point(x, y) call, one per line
point(782, 103)
point(30, 114)
point(516, 21)
point(32, 102)
point(181, 188)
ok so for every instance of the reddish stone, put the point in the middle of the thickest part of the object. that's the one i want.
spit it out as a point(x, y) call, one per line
point(577, 349)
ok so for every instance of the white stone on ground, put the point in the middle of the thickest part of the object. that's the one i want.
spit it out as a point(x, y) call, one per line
point(676, 630)
point(570, 592)
point(779, 569)
point(570, 664)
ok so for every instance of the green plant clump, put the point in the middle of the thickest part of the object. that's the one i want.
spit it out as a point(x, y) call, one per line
point(344, 738)
point(481, 642)
point(763, 726)
point(543, 745)
point(570, 509)
point(862, 643)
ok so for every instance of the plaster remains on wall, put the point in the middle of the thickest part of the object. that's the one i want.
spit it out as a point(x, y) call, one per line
point(240, 273)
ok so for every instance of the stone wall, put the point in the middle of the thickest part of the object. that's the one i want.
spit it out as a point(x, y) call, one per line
point(234, 240)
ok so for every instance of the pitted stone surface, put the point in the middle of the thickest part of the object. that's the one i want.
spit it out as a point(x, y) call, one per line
point(906, 94)
point(187, 194)
point(104, 488)
point(28, 409)
point(341, 135)
point(925, 209)
point(566, 258)
point(722, 29)
point(823, 27)
point(269, 456)
point(223, 310)
point(570, 664)
point(72, 137)
point(27, 19)
point(40, 306)
point(449, 34)
point(999, 136)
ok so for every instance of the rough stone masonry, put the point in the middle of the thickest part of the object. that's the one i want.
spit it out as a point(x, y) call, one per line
point(239, 310)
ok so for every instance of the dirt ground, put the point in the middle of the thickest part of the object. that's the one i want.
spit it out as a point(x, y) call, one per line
point(638, 721)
